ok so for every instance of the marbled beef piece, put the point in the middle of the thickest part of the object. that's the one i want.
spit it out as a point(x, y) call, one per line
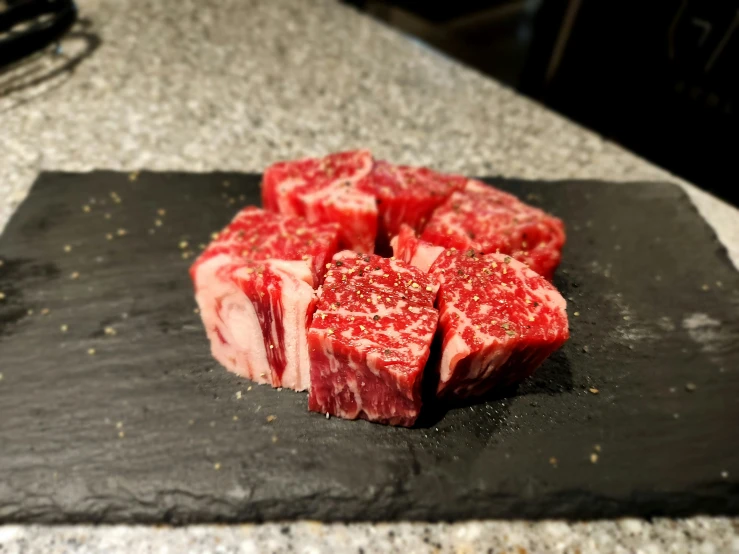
point(406, 195)
point(498, 319)
point(254, 285)
point(324, 190)
point(412, 250)
point(487, 220)
point(370, 339)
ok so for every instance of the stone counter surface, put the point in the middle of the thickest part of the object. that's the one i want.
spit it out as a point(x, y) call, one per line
point(237, 84)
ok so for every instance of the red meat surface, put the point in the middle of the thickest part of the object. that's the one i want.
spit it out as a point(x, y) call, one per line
point(406, 195)
point(412, 250)
point(324, 190)
point(370, 339)
point(485, 219)
point(254, 285)
point(498, 319)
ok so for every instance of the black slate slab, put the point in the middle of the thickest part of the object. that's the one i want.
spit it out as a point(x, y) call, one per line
point(150, 429)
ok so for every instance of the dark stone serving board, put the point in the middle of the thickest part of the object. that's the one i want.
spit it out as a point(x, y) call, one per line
point(151, 429)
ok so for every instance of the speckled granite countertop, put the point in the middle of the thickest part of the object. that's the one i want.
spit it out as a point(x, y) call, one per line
point(233, 85)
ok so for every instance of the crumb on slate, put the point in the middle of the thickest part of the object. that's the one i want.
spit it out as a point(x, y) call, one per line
point(553, 461)
point(238, 395)
point(74, 275)
point(690, 387)
point(109, 236)
point(162, 212)
point(236, 418)
point(593, 390)
point(196, 311)
point(2, 296)
point(64, 328)
point(248, 388)
point(91, 351)
point(121, 434)
point(597, 448)
point(158, 222)
point(593, 458)
point(110, 331)
point(107, 216)
point(183, 244)
point(119, 425)
point(271, 418)
point(217, 466)
point(121, 232)
point(86, 209)
point(67, 248)
point(45, 311)
point(133, 176)
point(577, 314)
point(274, 439)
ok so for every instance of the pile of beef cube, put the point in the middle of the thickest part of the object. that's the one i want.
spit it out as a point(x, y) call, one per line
point(341, 282)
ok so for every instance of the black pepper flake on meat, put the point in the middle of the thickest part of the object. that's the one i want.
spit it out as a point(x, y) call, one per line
point(507, 259)
point(376, 317)
point(470, 253)
point(339, 263)
point(387, 352)
point(366, 258)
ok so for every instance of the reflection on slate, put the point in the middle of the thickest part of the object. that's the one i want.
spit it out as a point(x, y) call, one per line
point(636, 415)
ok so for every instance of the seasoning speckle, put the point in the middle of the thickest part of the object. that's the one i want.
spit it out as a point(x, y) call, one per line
point(110, 331)
point(74, 275)
point(162, 212)
point(690, 387)
point(577, 314)
point(183, 244)
point(67, 248)
point(553, 461)
point(109, 236)
point(86, 209)
point(2, 296)
point(121, 232)
point(64, 328)
point(238, 395)
point(593, 458)
point(121, 434)
point(119, 425)
point(271, 418)
point(593, 390)
point(45, 311)
point(217, 466)
point(91, 351)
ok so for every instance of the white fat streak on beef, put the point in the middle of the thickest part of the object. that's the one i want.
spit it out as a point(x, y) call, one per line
point(412, 250)
point(226, 309)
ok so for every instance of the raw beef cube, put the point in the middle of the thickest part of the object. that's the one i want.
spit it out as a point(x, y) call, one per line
point(412, 250)
point(254, 286)
point(498, 319)
point(406, 195)
point(324, 190)
point(370, 339)
point(485, 219)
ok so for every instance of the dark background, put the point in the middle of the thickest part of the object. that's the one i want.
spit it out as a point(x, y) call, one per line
point(660, 78)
